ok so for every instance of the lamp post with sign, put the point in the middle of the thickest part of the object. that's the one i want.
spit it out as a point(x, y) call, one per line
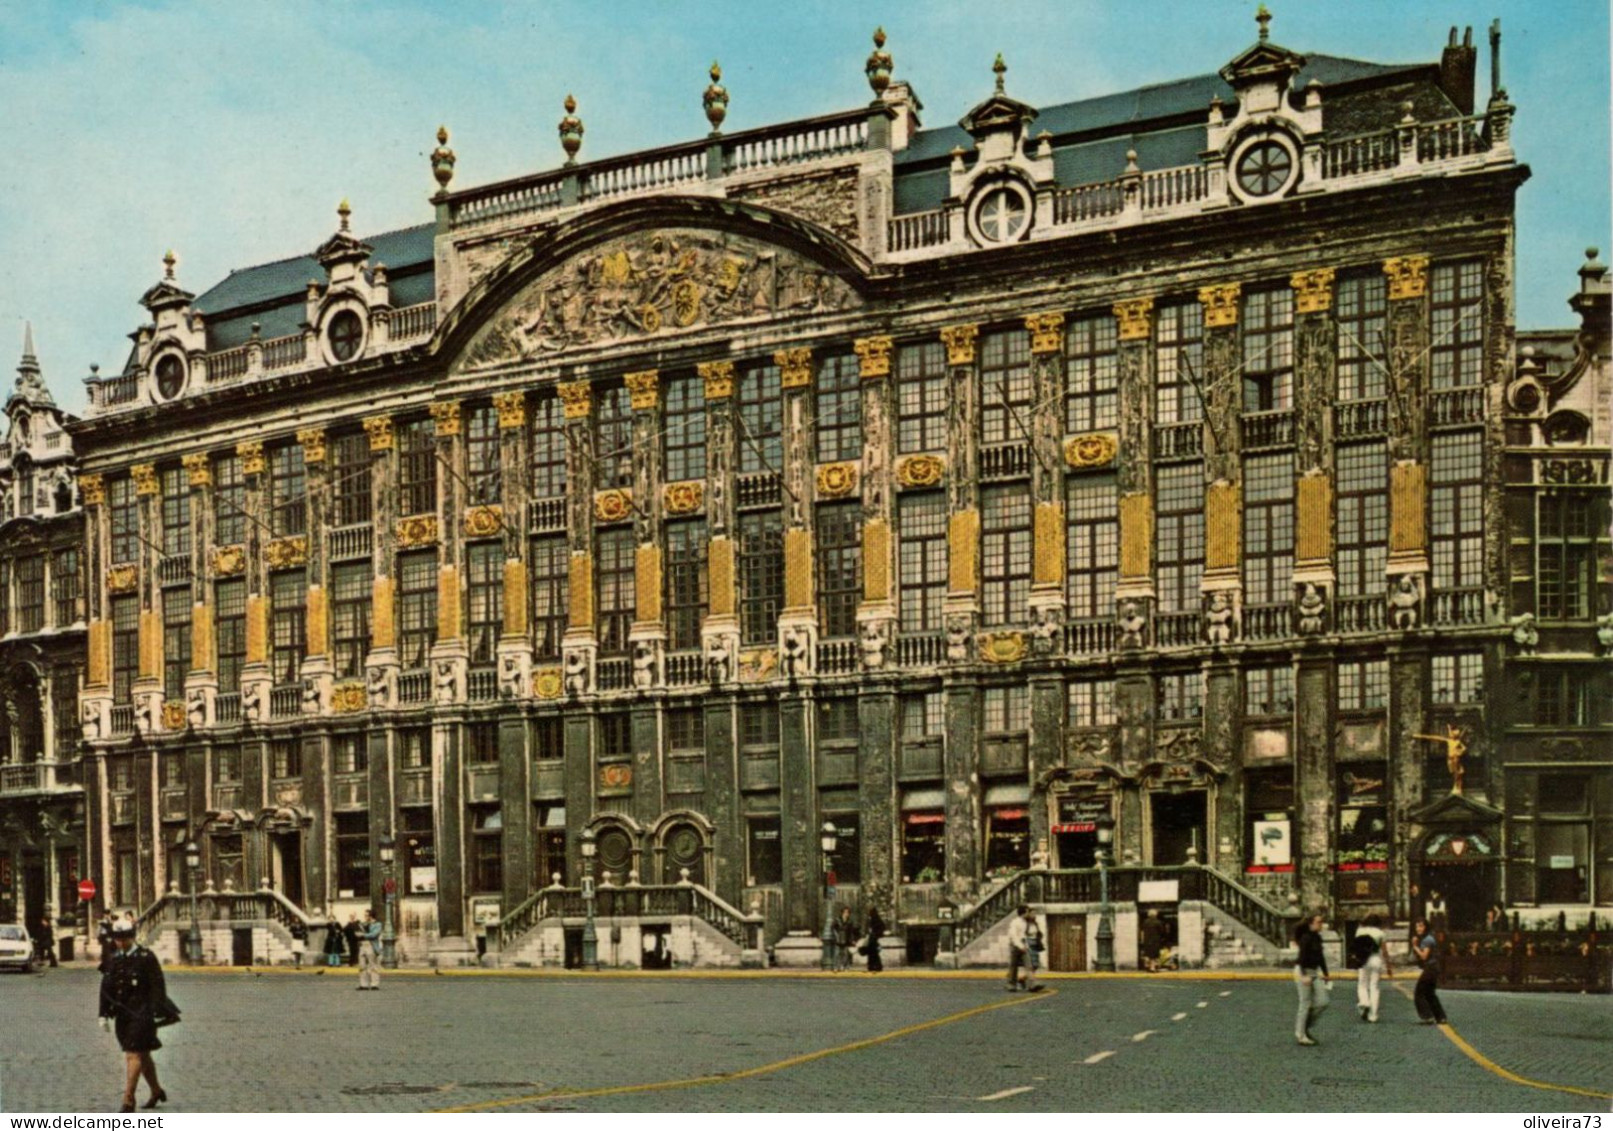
point(389, 888)
point(590, 938)
point(193, 861)
point(828, 838)
point(1106, 917)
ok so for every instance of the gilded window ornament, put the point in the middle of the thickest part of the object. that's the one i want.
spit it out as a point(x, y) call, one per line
point(547, 683)
point(251, 453)
point(345, 698)
point(198, 469)
point(642, 387)
point(287, 553)
point(837, 480)
point(173, 714)
point(1313, 290)
point(960, 343)
point(684, 498)
point(446, 416)
point(1221, 304)
point(417, 530)
point(92, 488)
point(1096, 450)
point(616, 775)
point(511, 409)
point(121, 579)
point(1002, 647)
point(920, 471)
point(795, 367)
point(229, 561)
point(613, 506)
point(484, 521)
point(379, 430)
point(1047, 331)
point(873, 356)
point(1408, 276)
point(145, 479)
point(719, 378)
point(1133, 316)
point(313, 445)
point(576, 398)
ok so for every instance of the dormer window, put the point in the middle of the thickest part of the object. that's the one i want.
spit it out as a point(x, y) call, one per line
point(346, 335)
point(1264, 168)
point(170, 373)
point(1002, 213)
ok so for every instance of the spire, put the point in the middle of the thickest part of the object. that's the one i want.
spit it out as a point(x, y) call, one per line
point(29, 384)
point(29, 363)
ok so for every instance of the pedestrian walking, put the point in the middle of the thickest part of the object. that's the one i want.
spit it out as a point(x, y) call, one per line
point(103, 935)
point(845, 937)
point(873, 931)
point(46, 940)
point(335, 943)
point(369, 969)
point(132, 996)
point(353, 933)
point(1311, 978)
point(1035, 938)
point(1021, 929)
point(1371, 953)
point(299, 941)
point(1426, 996)
point(1153, 939)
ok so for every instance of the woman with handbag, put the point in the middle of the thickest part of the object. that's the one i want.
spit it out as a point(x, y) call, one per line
point(1310, 976)
point(134, 1001)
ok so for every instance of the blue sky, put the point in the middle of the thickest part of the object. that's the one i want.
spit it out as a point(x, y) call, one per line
point(229, 131)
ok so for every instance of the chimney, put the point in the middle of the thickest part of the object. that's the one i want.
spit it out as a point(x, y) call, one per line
point(1458, 68)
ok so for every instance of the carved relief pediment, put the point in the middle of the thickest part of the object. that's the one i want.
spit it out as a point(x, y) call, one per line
point(655, 283)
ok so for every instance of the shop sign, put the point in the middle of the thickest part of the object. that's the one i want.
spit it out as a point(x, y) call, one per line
point(1081, 814)
point(486, 912)
point(1360, 788)
point(422, 881)
point(1562, 862)
point(1273, 843)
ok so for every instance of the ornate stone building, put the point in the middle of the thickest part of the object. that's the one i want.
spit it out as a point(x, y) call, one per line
point(41, 656)
point(1149, 458)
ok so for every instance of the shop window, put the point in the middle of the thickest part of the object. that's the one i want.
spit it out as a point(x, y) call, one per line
point(1008, 840)
point(764, 854)
point(419, 852)
point(487, 849)
point(353, 855)
point(1363, 840)
point(846, 860)
point(924, 849)
point(549, 825)
point(1269, 829)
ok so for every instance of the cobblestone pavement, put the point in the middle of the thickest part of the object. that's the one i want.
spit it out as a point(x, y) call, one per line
point(303, 1042)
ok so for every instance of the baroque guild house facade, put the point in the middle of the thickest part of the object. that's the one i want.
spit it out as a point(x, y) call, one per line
point(1153, 460)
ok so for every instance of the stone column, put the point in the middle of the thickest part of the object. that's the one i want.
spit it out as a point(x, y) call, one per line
point(1315, 385)
point(1220, 741)
point(719, 634)
point(962, 605)
point(95, 703)
point(1408, 661)
point(648, 633)
point(877, 611)
point(256, 679)
point(1409, 332)
point(1047, 479)
point(381, 740)
point(515, 638)
point(798, 620)
point(450, 655)
point(515, 806)
point(316, 752)
point(961, 784)
point(317, 670)
point(201, 682)
point(876, 793)
point(798, 810)
point(381, 664)
point(722, 802)
point(148, 690)
point(452, 945)
point(1223, 442)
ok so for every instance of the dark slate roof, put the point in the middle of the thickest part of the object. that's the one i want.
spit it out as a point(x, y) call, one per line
point(407, 247)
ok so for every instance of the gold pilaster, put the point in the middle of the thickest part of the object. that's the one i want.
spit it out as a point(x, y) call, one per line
point(581, 582)
point(719, 378)
point(963, 545)
point(379, 430)
point(447, 603)
point(98, 671)
point(383, 630)
point(445, 415)
point(797, 568)
point(1313, 541)
point(795, 367)
point(1223, 530)
point(145, 479)
point(201, 637)
point(647, 583)
point(576, 398)
point(960, 343)
point(313, 445)
point(1220, 304)
point(873, 356)
point(150, 644)
point(515, 598)
point(198, 469)
point(1408, 493)
point(1135, 318)
point(1313, 290)
point(511, 410)
point(720, 567)
point(1047, 331)
point(1047, 561)
point(643, 388)
point(257, 630)
point(92, 489)
point(876, 560)
point(1408, 276)
point(251, 453)
point(1136, 534)
point(318, 627)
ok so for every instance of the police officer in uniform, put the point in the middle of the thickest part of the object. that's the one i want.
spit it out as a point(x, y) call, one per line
point(132, 993)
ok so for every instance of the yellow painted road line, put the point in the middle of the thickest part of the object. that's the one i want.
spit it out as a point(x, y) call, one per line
point(748, 1073)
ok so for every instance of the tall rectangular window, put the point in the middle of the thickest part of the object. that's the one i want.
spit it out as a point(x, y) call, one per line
point(1268, 350)
point(175, 512)
point(175, 640)
point(1363, 518)
point(1092, 550)
point(839, 409)
point(616, 594)
point(921, 397)
point(1180, 695)
point(288, 491)
point(551, 592)
point(350, 593)
point(548, 446)
point(685, 428)
point(417, 467)
point(123, 509)
point(350, 478)
point(31, 593)
point(1005, 551)
point(760, 421)
point(613, 438)
point(761, 573)
point(1268, 529)
point(288, 601)
point(922, 524)
point(229, 600)
point(1268, 690)
point(1090, 703)
point(924, 716)
point(1363, 685)
point(417, 608)
point(1006, 710)
point(125, 646)
point(1564, 697)
point(229, 501)
point(1456, 332)
point(1457, 506)
point(1180, 492)
point(64, 586)
point(1005, 387)
point(1361, 310)
point(1458, 678)
point(484, 588)
point(1090, 400)
point(482, 466)
point(353, 855)
point(686, 583)
point(839, 567)
point(64, 709)
point(1569, 525)
point(1179, 363)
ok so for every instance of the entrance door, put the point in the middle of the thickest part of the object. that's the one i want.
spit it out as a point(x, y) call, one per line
point(1469, 890)
point(287, 854)
point(1077, 850)
point(33, 893)
point(1178, 823)
point(1067, 943)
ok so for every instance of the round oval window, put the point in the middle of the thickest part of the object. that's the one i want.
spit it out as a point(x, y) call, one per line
point(1002, 215)
point(346, 334)
point(1264, 168)
point(170, 377)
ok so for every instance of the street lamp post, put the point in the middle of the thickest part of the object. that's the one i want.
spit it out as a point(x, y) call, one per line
point(828, 837)
point(193, 861)
point(1106, 916)
point(590, 938)
point(389, 932)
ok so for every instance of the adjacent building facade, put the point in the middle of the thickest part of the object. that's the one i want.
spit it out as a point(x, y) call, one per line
point(1160, 459)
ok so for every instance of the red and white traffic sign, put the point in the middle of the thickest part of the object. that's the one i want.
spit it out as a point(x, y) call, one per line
point(86, 890)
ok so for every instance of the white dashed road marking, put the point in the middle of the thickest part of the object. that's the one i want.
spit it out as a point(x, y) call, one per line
point(1006, 1092)
point(1226, 993)
point(1144, 1035)
point(1178, 1017)
point(1204, 1005)
point(1097, 1056)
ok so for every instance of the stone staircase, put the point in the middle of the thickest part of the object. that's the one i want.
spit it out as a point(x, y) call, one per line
point(164, 926)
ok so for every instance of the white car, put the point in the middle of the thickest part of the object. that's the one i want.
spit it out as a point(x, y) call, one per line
point(16, 948)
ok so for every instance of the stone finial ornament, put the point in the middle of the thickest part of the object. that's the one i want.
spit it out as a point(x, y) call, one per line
point(879, 65)
point(1263, 18)
point(344, 212)
point(999, 68)
point(571, 130)
point(442, 159)
point(715, 100)
point(168, 261)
